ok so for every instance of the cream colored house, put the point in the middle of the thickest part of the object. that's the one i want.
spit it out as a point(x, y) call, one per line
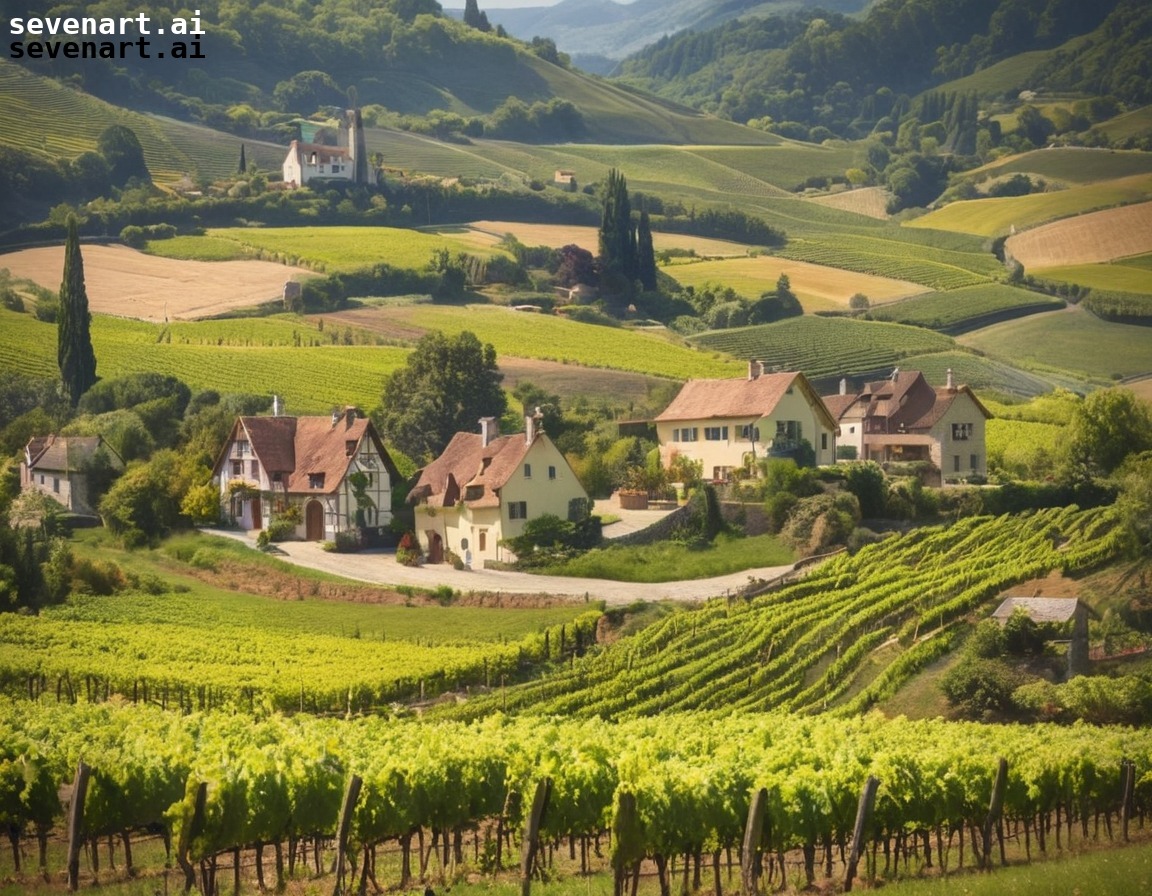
point(57, 466)
point(905, 419)
point(730, 424)
point(335, 470)
point(484, 487)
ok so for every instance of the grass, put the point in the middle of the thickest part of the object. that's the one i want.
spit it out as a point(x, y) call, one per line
point(1072, 342)
point(198, 248)
point(343, 248)
point(993, 217)
point(1072, 165)
point(965, 309)
point(819, 288)
point(671, 561)
point(1116, 277)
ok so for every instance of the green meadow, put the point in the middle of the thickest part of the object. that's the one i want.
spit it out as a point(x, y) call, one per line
point(1116, 277)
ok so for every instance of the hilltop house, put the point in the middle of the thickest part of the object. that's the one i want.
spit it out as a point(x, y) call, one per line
point(904, 418)
point(57, 466)
point(347, 160)
point(334, 471)
point(484, 487)
point(730, 424)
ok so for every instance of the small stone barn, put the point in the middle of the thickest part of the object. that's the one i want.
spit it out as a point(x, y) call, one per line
point(1055, 611)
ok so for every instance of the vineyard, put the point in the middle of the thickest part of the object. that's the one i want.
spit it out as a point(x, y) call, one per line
point(939, 269)
point(969, 308)
point(802, 648)
point(387, 802)
point(826, 347)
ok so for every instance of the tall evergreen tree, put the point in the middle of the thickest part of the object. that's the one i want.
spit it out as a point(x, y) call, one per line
point(74, 337)
point(617, 236)
point(645, 254)
point(243, 168)
point(471, 13)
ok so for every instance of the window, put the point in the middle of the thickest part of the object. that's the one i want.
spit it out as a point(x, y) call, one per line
point(483, 544)
point(255, 469)
point(956, 463)
point(473, 492)
point(823, 441)
point(276, 477)
point(517, 510)
point(242, 448)
point(527, 471)
point(551, 472)
point(349, 447)
point(961, 432)
point(716, 433)
point(237, 468)
point(686, 434)
point(315, 480)
point(749, 433)
point(851, 429)
point(56, 484)
point(975, 462)
point(721, 474)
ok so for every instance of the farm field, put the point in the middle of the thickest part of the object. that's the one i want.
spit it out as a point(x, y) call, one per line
point(1128, 124)
point(1118, 277)
point(826, 347)
point(125, 282)
point(547, 337)
point(1070, 342)
point(1071, 164)
point(345, 248)
point(44, 116)
point(870, 201)
point(557, 235)
point(1086, 239)
point(820, 288)
point(997, 216)
point(311, 378)
point(966, 308)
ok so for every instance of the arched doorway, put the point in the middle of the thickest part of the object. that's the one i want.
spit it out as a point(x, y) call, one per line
point(314, 521)
point(435, 547)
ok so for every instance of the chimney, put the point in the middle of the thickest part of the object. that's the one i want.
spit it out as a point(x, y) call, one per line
point(275, 405)
point(349, 416)
point(335, 416)
point(755, 368)
point(531, 426)
point(951, 385)
point(489, 430)
point(843, 386)
point(895, 374)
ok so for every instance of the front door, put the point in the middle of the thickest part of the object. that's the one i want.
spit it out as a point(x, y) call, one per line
point(257, 517)
point(314, 521)
point(435, 547)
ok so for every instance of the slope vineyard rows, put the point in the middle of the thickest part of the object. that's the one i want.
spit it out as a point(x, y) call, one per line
point(765, 654)
point(668, 789)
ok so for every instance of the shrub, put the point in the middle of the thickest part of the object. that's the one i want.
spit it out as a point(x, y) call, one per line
point(408, 552)
point(99, 577)
point(280, 529)
point(347, 542)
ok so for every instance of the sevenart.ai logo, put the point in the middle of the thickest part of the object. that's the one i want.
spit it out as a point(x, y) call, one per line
point(108, 37)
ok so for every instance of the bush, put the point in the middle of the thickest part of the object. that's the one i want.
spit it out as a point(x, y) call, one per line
point(98, 577)
point(981, 688)
point(280, 529)
point(408, 552)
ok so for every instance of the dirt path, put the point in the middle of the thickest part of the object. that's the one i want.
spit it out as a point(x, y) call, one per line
point(381, 568)
point(128, 283)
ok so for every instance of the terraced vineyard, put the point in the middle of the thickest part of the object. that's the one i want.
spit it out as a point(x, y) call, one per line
point(938, 269)
point(987, 375)
point(802, 647)
point(41, 115)
point(826, 347)
point(968, 308)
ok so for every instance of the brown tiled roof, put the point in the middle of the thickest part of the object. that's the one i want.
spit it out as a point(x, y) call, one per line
point(301, 447)
point(739, 397)
point(838, 405)
point(468, 465)
point(906, 399)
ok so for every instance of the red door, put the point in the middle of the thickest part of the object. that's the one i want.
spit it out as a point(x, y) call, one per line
point(314, 521)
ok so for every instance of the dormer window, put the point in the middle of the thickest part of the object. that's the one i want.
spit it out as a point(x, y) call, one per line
point(315, 480)
point(474, 493)
point(350, 448)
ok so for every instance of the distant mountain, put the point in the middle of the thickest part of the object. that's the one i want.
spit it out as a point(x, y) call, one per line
point(601, 28)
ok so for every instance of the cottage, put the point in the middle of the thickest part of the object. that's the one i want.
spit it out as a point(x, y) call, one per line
point(58, 466)
point(903, 418)
point(730, 424)
point(1059, 612)
point(347, 161)
point(331, 474)
point(484, 487)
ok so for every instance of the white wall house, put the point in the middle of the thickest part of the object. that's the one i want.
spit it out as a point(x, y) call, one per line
point(732, 423)
point(903, 419)
point(56, 466)
point(334, 469)
point(484, 487)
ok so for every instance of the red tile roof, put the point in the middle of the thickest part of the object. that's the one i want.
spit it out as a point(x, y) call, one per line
point(468, 466)
point(740, 397)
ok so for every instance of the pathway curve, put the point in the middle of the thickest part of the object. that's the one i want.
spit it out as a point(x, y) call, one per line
point(380, 567)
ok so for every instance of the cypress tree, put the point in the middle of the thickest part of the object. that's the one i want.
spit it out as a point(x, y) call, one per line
point(74, 337)
point(243, 161)
point(472, 13)
point(617, 235)
point(645, 254)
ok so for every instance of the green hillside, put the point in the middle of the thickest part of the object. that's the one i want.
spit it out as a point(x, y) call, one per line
point(40, 115)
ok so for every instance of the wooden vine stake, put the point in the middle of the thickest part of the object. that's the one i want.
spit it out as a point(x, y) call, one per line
point(76, 824)
point(531, 842)
point(351, 795)
point(995, 809)
point(863, 816)
point(753, 837)
point(1127, 784)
